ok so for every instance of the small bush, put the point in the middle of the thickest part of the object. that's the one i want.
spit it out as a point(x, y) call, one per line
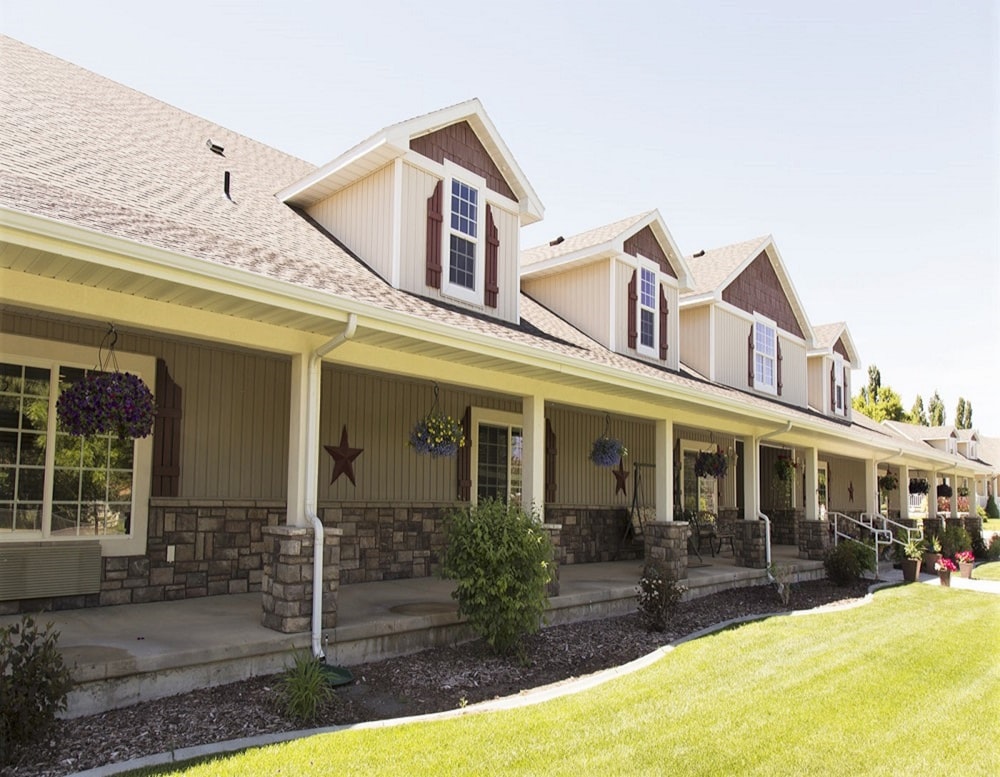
point(784, 576)
point(304, 688)
point(992, 511)
point(993, 551)
point(33, 684)
point(500, 556)
point(955, 539)
point(658, 595)
point(848, 561)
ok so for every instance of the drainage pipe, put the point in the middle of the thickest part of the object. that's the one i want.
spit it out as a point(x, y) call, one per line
point(760, 516)
point(312, 475)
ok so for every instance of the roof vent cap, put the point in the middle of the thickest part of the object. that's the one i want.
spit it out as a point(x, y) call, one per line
point(557, 241)
point(215, 148)
point(700, 253)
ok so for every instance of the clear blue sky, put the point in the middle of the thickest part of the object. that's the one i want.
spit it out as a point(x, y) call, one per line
point(862, 135)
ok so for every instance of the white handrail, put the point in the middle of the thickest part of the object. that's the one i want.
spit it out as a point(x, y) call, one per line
point(880, 535)
point(767, 538)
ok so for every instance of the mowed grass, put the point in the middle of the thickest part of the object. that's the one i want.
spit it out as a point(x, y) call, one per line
point(989, 571)
point(909, 684)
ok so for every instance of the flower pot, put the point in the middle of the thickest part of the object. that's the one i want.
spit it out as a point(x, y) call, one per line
point(965, 569)
point(911, 569)
point(945, 576)
point(930, 559)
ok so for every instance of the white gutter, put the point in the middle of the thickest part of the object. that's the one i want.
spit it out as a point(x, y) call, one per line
point(312, 474)
point(767, 521)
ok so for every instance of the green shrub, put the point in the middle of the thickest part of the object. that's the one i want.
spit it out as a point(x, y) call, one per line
point(304, 687)
point(955, 539)
point(500, 556)
point(658, 595)
point(33, 684)
point(992, 511)
point(993, 551)
point(848, 561)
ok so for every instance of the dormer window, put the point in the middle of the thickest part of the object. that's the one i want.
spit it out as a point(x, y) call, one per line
point(464, 232)
point(647, 311)
point(838, 385)
point(765, 355)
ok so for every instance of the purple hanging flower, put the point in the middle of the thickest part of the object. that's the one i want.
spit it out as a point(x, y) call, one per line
point(117, 403)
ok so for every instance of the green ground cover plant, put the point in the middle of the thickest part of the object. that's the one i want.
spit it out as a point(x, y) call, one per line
point(838, 693)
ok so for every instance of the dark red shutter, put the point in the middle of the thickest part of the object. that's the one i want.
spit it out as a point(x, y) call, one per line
point(464, 459)
point(847, 396)
point(833, 388)
point(550, 463)
point(166, 435)
point(777, 343)
point(633, 300)
point(750, 357)
point(492, 251)
point(664, 312)
point(434, 218)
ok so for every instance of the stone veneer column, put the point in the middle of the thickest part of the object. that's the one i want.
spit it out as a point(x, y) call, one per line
point(554, 530)
point(666, 542)
point(287, 584)
point(749, 544)
point(814, 539)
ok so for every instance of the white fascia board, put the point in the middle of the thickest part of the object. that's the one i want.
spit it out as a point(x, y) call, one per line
point(580, 258)
point(697, 300)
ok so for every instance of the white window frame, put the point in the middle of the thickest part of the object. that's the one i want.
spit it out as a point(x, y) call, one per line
point(647, 265)
point(474, 295)
point(490, 417)
point(758, 384)
point(838, 382)
point(53, 355)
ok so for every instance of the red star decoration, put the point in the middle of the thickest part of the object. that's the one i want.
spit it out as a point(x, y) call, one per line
point(343, 458)
point(621, 475)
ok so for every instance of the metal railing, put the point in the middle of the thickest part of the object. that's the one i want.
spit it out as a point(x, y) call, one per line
point(882, 537)
point(896, 530)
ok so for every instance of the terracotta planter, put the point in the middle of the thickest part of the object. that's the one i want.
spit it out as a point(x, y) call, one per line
point(945, 576)
point(965, 569)
point(911, 569)
point(930, 559)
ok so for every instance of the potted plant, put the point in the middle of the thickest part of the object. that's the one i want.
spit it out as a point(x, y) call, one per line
point(607, 451)
point(913, 553)
point(711, 465)
point(944, 569)
point(934, 556)
point(437, 435)
point(966, 560)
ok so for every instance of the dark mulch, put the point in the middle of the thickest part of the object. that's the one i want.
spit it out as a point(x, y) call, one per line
point(431, 681)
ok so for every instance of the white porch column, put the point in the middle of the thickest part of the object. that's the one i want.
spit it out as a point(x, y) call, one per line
point(871, 504)
point(953, 482)
point(904, 491)
point(751, 478)
point(811, 458)
point(533, 454)
point(932, 478)
point(303, 454)
point(664, 477)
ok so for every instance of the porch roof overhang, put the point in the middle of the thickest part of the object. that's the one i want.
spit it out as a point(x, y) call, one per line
point(69, 271)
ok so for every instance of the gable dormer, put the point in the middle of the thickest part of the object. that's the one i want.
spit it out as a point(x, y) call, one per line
point(967, 443)
point(434, 205)
point(831, 359)
point(743, 325)
point(619, 284)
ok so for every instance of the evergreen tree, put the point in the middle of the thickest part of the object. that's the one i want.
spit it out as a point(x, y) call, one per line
point(878, 402)
point(960, 413)
point(935, 409)
point(917, 414)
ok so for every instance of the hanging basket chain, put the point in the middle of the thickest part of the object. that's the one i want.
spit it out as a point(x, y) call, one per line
point(437, 434)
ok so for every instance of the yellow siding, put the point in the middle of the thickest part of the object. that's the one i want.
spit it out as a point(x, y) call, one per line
point(580, 295)
point(579, 481)
point(695, 338)
point(819, 381)
point(360, 216)
point(673, 328)
point(234, 433)
point(794, 381)
point(731, 333)
point(623, 274)
point(842, 474)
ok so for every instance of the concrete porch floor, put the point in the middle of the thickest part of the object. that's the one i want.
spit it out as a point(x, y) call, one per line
point(130, 653)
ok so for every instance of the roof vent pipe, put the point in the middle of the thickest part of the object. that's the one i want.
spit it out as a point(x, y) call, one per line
point(700, 253)
point(225, 185)
point(557, 241)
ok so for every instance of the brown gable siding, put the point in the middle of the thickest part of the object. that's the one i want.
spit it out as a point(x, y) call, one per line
point(758, 290)
point(644, 242)
point(459, 144)
point(839, 348)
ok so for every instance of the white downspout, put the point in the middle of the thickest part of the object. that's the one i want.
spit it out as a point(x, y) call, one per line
point(312, 476)
point(767, 521)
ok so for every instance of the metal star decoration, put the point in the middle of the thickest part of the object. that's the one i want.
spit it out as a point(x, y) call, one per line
point(343, 458)
point(621, 475)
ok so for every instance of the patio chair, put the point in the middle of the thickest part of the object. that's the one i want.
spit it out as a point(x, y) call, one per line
point(702, 529)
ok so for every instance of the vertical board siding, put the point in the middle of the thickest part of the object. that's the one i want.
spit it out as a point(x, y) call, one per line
point(694, 337)
point(579, 295)
point(731, 348)
point(581, 482)
point(673, 326)
point(819, 380)
point(623, 274)
point(794, 373)
point(842, 473)
point(234, 428)
point(360, 216)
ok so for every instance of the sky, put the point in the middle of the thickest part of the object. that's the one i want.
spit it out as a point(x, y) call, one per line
point(864, 136)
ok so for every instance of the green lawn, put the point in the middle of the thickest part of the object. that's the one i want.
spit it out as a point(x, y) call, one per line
point(909, 684)
point(991, 525)
point(989, 571)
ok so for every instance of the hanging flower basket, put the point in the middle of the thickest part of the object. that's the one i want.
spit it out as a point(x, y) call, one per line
point(711, 465)
point(118, 403)
point(944, 490)
point(437, 435)
point(919, 486)
point(784, 468)
point(607, 451)
point(888, 482)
